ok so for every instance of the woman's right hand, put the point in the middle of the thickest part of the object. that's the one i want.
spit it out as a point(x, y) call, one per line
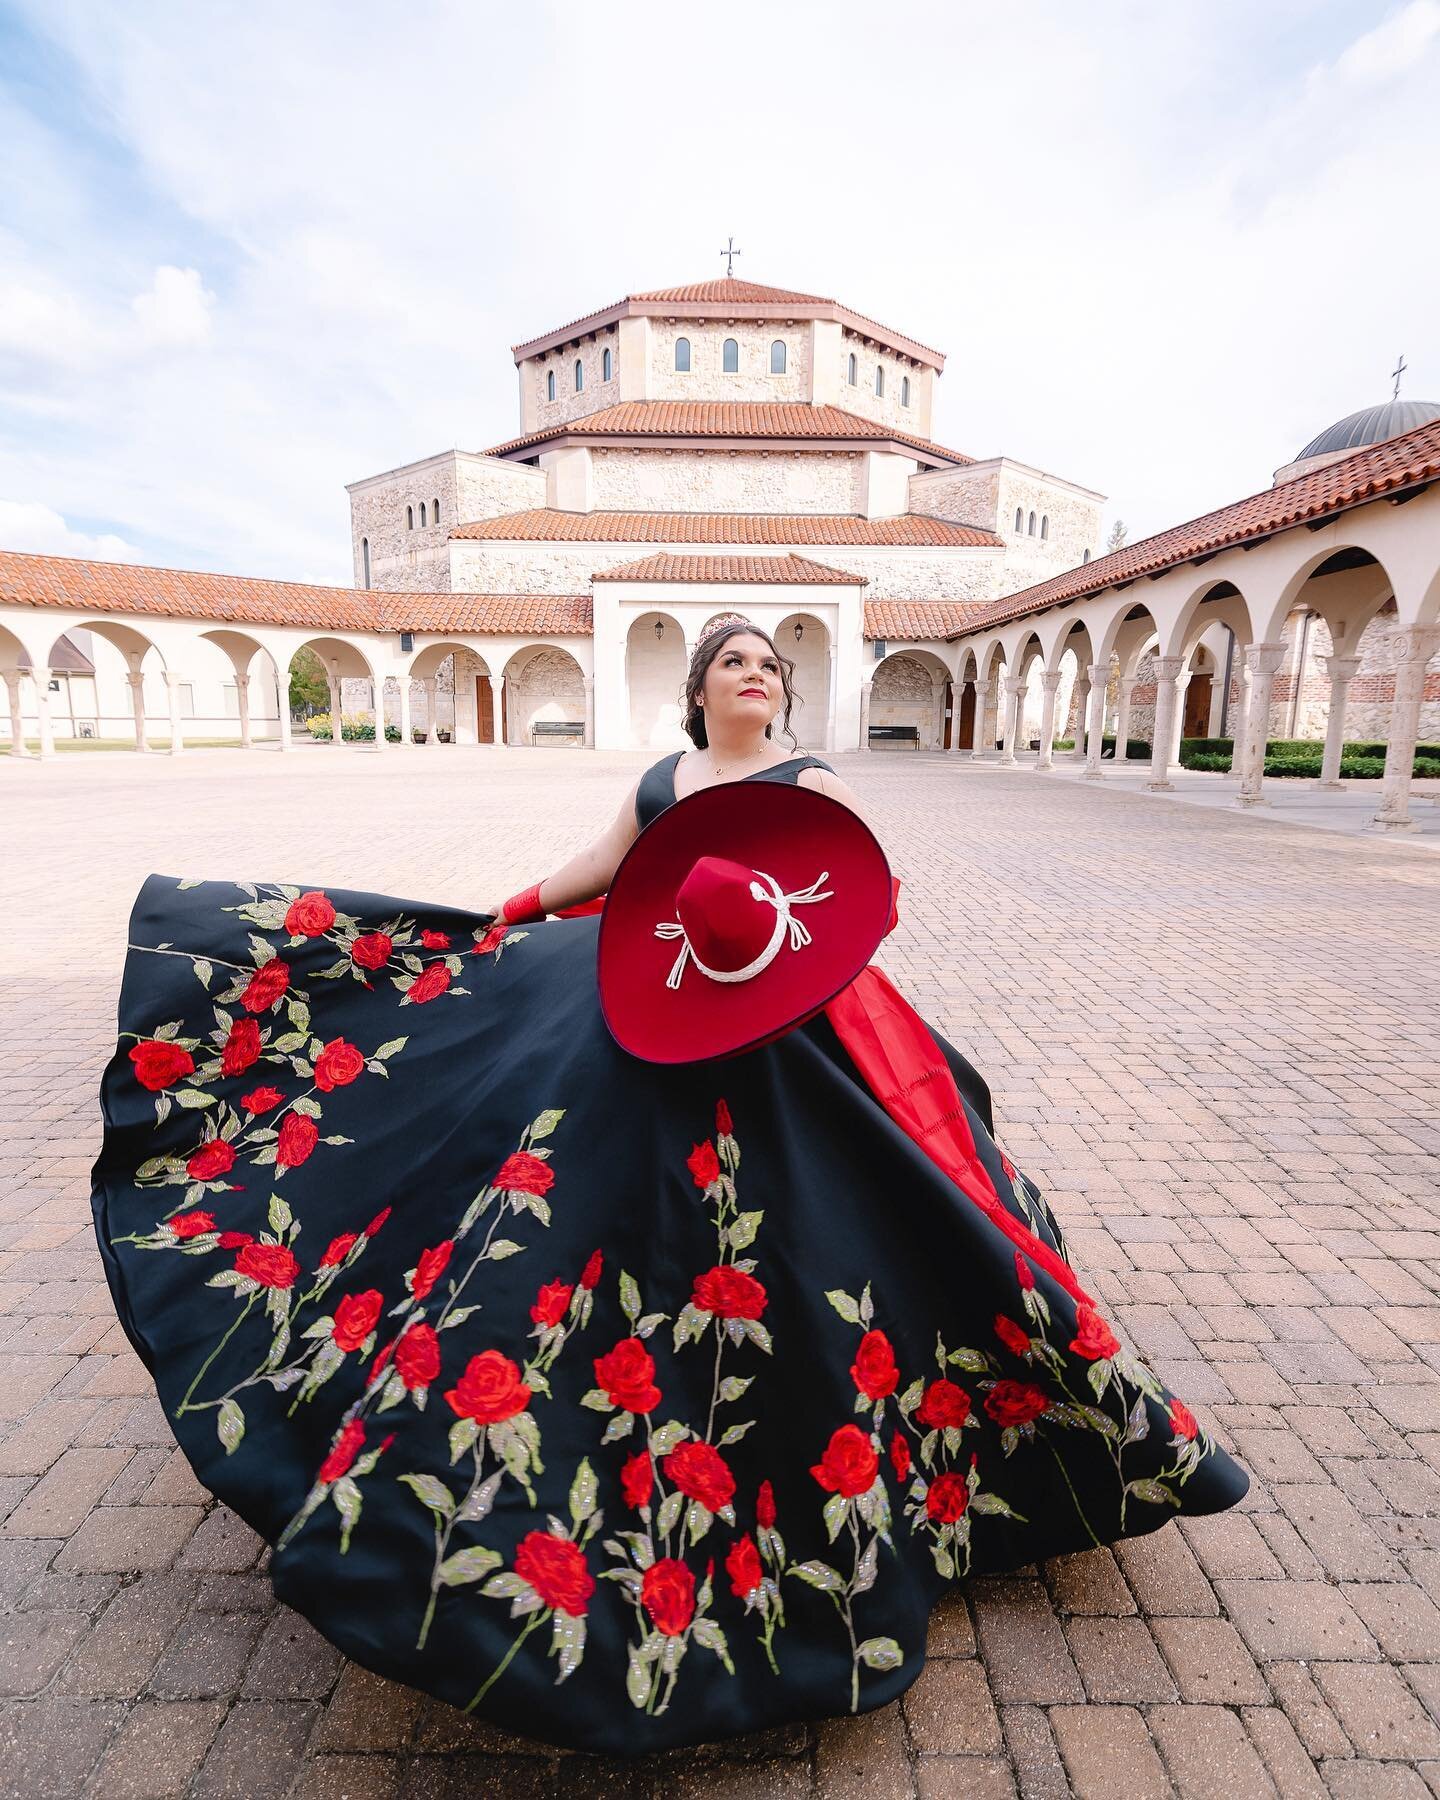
point(491, 914)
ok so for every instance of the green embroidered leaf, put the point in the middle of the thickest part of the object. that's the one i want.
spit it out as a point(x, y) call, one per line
point(229, 1425)
point(597, 1400)
point(637, 1681)
point(305, 1106)
point(231, 1278)
point(965, 1358)
point(629, 1297)
point(1154, 1491)
point(507, 1585)
point(503, 1247)
point(190, 882)
point(668, 1436)
point(647, 1324)
point(707, 1633)
point(837, 1509)
point(912, 1396)
point(847, 1307)
point(1099, 1421)
point(867, 1568)
point(280, 1216)
point(880, 1653)
point(733, 1386)
point(733, 1433)
point(757, 1334)
point(619, 1427)
point(290, 1041)
point(567, 1643)
point(432, 1493)
point(468, 1565)
point(1009, 1438)
point(476, 1505)
point(867, 1307)
point(583, 1491)
point(698, 1520)
point(944, 1561)
point(1137, 1426)
point(462, 1435)
point(742, 1233)
point(818, 1575)
point(203, 971)
point(346, 1496)
point(193, 1099)
point(1099, 1377)
point(546, 1122)
point(690, 1322)
point(992, 1503)
point(670, 1509)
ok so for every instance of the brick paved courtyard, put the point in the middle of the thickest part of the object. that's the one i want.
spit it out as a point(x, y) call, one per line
point(1214, 1039)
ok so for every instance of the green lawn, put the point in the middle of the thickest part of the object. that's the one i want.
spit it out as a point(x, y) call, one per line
point(67, 745)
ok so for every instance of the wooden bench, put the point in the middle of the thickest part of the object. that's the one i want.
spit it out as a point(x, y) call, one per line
point(896, 734)
point(553, 730)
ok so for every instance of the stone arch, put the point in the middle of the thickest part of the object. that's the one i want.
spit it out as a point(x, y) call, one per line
point(346, 660)
point(450, 694)
point(812, 654)
point(544, 684)
point(908, 689)
point(656, 664)
point(268, 699)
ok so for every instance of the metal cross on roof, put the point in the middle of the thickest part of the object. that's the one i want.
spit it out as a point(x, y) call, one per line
point(730, 253)
point(1397, 372)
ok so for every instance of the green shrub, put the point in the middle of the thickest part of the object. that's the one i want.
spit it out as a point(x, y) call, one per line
point(352, 730)
point(1215, 761)
point(1427, 768)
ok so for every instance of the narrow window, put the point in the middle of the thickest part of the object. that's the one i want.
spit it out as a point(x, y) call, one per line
point(434, 512)
point(682, 356)
point(1085, 556)
point(1019, 519)
point(1032, 525)
point(409, 518)
point(880, 380)
point(904, 390)
point(777, 357)
point(730, 358)
point(579, 375)
point(1045, 526)
point(550, 385)
point(852, 369)
point(422, 512)
point(365, 560)
point(605, 365)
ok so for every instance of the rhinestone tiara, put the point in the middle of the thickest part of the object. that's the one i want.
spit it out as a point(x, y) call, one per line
point(719, 624)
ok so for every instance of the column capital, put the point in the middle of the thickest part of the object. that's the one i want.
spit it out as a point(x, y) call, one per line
point(1341, 668)
point(173, 678)
point(1099, 674)
point(1050, 680)
point(1265, 659)
point(1416, 643)
point(243, 681)
point(1168, 667)
point(1015, 687)
point(982, 688)
point(137, 680)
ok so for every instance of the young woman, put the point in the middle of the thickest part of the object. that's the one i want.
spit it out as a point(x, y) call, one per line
point(628, 1402)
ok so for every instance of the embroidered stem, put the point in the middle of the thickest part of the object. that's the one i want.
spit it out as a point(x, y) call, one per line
point(506, 1660)
point(1073, 1495)
point(190, 956)
point(204, 1368)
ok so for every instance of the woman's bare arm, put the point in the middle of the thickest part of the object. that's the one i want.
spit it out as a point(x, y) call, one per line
point(588, 875)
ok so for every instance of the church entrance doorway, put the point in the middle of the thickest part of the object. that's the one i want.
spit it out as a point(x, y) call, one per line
point(485, 710)
point(1197, 708)
point(967, 714)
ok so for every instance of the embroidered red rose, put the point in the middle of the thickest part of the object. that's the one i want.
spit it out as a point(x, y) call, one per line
point(900, 1456)
point(947, 1498)
point(337, 1065)
point(701, 1473)
point(490, 1389)
point(271, 1265)
point(1093, 1338)
point(298, 1137)
point(556, 1569)
point(266, 986)
point(417, 1356)
point(729, 1293)
point(849, 1465)
point(311, 915)
point(260, 1100)
point(1182, 1421)
point(1024, 1274)
point(944, 1404)
point(338, 1250)
point(637, 1476)
point(591, 1275)
point(550, 1303)
point(743, 1567)
point(343, 1453)
point(428, 985)
point(159, 1065)
point(874, 1370)
point(723, 1125)
point(371, 951)
point(495, 935)
point(381, 1361)
point(234, 1240)
point(703, 1164)
point(1012, 1336)
point(1006, 1164)
point(355, 1318)
point(191, 1224)
point(435, 940)
point(627, 1374)
point(526, 1174)
point(667, 1593)
point(242, 1047)
point(430, 1268)
point(211, 1160)
point(376, 1223)
point(1015, 1402)
point(765, 1506)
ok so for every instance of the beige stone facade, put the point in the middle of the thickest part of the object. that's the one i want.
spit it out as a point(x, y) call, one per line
point(749, 481)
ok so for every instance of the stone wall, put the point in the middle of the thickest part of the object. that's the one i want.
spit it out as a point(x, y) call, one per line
point(758, 481)
point(967, 496)
point(707, 380)
point(861, 398)
point(570, 403)
point(907, 691)
point(409, 556)
point(1073, 521)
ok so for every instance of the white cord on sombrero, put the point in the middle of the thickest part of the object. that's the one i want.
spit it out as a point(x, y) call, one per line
point(776, 897)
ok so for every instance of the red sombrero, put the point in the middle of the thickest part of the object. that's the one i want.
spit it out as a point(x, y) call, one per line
point(735, 915)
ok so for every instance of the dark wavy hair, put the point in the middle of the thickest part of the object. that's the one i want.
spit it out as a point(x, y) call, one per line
point(706, 651)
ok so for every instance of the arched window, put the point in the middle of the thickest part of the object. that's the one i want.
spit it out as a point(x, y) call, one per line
point(1045, 526)
point(1032, 525)
point(1085, 556)
point(682, 356)
point(904, 390)
point(730, 358)
point(434, 512)
point(1019, 519)
point(777, 357)
point(365, 560)
point(606, 366)
point(880, 380)
point(422, 512)
point(550, 385)
point(579, 375)
point(852, 370)
point(409, 518)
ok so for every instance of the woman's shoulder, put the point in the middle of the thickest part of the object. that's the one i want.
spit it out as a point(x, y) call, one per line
point(822, 779)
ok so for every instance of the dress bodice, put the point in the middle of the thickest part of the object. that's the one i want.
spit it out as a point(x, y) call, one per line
point(657, 785)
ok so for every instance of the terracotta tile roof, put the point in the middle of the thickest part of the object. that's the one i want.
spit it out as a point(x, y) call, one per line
point(729, 296)
point(727, 419)
point(1403, 462)
point(904, 619)
point(791, 570)
point(550, 526)
point(99, 587)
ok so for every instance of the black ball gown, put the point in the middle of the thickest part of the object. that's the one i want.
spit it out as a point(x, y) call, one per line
point(628, 1406)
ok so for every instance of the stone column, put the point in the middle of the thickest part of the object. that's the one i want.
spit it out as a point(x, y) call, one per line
point(407, 741)
point(1341, 670)
point(1099, 674)
point(1263, 662)
point(1413, 648)
point(504, 723)
point(137, 707)
point(1015, 691)
point(1049, 682)
point(1177, 724)
point(1167, 685)
point(377, 693)
point(865, 687)
point(242, 701)
point(1242, 714)
point(337, 731)
point(1122, 721)
point(956, 747)
point(15, 688)
point(590, 715)
point(177, 729)
point(832, 689)
point(977, 724)
point(431, 685)
point(40, 679)
point(287, 740)
point(1082, 714)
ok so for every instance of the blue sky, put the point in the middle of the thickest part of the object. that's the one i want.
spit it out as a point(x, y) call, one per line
point(251, 252)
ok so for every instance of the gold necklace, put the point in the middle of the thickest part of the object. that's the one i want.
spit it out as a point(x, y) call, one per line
point(738, 760)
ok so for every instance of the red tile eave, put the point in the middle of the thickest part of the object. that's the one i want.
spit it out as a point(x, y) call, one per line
point(751, 570)
point(906, 531)
point(1406, 464)
point(916, 620)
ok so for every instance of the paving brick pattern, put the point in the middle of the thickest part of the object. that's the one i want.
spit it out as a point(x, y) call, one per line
point(1214, 1039)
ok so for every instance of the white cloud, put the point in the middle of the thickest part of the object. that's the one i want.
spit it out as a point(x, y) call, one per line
point(1396, 44)
point(174, 312)
point(26, 525)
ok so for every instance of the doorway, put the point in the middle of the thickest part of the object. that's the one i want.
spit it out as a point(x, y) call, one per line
point(485, 710)
point(1196, 723)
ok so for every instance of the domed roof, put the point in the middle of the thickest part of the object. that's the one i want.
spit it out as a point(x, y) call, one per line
point(1371, 425)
